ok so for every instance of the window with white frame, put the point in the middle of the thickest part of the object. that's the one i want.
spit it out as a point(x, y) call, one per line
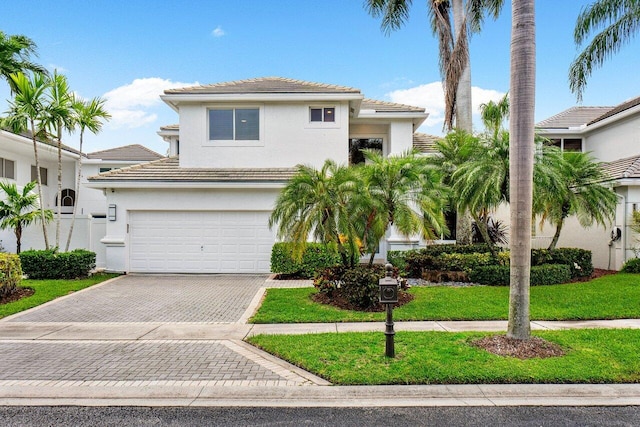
point(234, 124)
point(7, 168)
point(322, 114)
point(43, 175)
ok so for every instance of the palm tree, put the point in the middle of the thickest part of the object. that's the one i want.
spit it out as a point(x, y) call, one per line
point(20, 209)
point(405, 192)
point(455, 69)
point(15, 57)
point(581, 195)
point(59, 117)
point(521, 152)
point(26, 113)
point(453, 151)
point(318, 203)
point(89, 116)
point(619, 20)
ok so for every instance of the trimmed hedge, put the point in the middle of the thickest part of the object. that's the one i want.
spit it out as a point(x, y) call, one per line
point(578, 260)
point(316, 257)
point(631, 266)
point(498, 275)
point(448, 257)
point(50, 264)
point(10, 274)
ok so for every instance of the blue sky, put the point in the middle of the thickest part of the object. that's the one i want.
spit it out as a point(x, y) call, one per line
point(130, 51)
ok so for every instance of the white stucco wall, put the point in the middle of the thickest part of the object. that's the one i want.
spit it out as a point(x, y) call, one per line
point(116, 240)
point(616, 141)
point(287, 138)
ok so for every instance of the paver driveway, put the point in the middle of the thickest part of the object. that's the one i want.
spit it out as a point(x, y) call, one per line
point(156, 298)
point(143, 331)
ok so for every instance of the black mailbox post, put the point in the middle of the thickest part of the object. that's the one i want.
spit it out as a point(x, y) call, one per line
point(388, 297)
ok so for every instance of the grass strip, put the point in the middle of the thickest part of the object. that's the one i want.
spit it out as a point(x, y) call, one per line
point(47, 290)
point(593, 356)
point(608, 297)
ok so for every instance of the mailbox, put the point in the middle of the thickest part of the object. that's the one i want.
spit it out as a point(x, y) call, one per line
point(388, 287)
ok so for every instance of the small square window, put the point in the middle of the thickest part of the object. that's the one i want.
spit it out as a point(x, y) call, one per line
point(7, 168)
point(323, 114)
point(43, 175)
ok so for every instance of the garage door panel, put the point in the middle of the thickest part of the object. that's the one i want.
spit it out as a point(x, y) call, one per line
point(200, 242)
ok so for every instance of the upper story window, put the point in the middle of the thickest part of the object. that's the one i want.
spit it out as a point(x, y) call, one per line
point(567, 144)
point(327, 114)
point(234, 124)
point(43, 175)
point(7, 168)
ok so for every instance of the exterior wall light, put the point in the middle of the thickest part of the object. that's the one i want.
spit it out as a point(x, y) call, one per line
point(111, 213)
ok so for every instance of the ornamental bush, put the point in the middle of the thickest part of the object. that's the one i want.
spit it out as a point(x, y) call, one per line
point(631, 266)
point(316, 256)
point(10, 274)
point(51, 264)
point(578, 260)
point(498, 275)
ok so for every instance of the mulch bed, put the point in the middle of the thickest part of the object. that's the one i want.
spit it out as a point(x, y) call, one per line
point(19, 294)
point(341, 302)
point(534, 347)
point(597, 272)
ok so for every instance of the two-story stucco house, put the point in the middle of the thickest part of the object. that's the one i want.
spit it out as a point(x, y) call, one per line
point(17, 166)
point(205, 209)
point(612, 135)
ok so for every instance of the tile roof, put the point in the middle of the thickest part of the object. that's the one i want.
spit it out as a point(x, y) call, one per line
point(388, 107)
point(170, 127)
point(617, 109)
point(573, 117)
point(263, 85)
point(169, 170)
point(134, 152)
point(623, 168)
point(424, 143)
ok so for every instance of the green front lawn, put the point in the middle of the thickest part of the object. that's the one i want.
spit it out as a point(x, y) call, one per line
point(592, 356)
point(47, 290)
point(608, 297)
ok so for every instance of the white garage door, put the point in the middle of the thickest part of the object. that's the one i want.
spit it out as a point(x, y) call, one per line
point(200, 242)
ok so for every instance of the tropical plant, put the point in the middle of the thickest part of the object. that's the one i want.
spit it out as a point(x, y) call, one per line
point(582, 194)
point(59, 117)
point(20, 209)
point(452, 151)
point(27, 113)
point(89, 115)
point(404, 191)
point(15, 57)
point(318, 203)
point(619, 21)
point(521, 123)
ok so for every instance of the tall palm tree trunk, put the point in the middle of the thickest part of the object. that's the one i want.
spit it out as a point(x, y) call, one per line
point(464, 117)
point(75, 204)
point(59, 195)
point(522, 90)
point(40, 199)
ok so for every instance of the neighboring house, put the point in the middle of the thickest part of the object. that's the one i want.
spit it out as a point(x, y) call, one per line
point(17, 165)
point(612, 135)
point(205, 209)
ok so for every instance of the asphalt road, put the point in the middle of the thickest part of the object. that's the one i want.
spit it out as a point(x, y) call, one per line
point(432, 416)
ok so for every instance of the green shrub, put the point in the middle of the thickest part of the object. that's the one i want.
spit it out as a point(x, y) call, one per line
point(399, 261)
point(315, 257)
point(462, 262)
point(358, 284)
point(631, 266)
point(10, 274)
point(498, 275)
point(578, 260)
point(50, 264)
point(427, 258)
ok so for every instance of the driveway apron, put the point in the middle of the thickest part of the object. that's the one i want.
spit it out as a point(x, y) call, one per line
point(144, 330)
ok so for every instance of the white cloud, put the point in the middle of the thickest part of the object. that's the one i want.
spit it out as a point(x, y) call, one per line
point(131, 105)
point(430, 96)
point(59, 69)
point(218, 32)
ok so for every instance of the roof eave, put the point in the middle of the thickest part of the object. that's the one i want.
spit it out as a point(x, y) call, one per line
point(621, 115)
point(95, 182)
point(173, 100)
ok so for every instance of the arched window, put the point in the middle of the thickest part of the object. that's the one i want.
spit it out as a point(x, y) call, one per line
point(68, 198)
